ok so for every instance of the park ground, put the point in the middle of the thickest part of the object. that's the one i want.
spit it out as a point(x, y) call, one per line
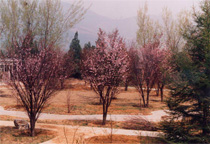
point(84, 101)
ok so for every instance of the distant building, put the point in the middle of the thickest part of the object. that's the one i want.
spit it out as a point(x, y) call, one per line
point(5, 66)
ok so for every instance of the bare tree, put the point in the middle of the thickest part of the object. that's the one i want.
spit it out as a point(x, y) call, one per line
point(147, 27)
point(45, 18)
point(173, 29)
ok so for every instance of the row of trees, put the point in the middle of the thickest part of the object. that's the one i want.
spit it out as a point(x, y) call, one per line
point(112, 63)
point(149, 65)
point(187, 72)
point(39, 66)
point(184, 67)
point(39, 69)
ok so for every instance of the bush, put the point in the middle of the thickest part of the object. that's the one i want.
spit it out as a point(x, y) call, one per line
point(139, 123)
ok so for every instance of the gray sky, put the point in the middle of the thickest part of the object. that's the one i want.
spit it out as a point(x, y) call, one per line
point(118, 9)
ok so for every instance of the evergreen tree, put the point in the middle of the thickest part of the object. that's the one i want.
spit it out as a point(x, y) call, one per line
point(88, 46)
point(76, 50)
point(190, 102)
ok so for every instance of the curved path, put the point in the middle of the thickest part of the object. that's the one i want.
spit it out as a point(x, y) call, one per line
point(154, 117)
point(83, 131)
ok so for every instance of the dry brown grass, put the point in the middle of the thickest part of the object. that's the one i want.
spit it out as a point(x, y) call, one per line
point(120, 139)
point(85, 101)
point(10, 135)
point(9, 118)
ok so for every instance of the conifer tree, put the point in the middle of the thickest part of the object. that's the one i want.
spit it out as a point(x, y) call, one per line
point(76, 50)
point(190, 87)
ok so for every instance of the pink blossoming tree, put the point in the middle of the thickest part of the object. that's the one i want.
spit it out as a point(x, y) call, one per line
point(67, 67)
point(105, 67)
point(164, 70)
point(35, 77)
point(146, 68)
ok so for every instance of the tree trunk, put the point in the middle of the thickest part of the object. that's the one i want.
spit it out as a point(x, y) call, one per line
point(147, 98)
point(104, 113)
point(100, 100)
point(158, 89)
point(161, 92)
point(32, 126)
point(104, 118)
point(126, 86)
point(143, 99)
point(62, 84)
point(140, 103)
point(205, 129)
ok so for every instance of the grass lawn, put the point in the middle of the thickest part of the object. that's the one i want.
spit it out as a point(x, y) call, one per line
point(10, 135)
point(85, 101)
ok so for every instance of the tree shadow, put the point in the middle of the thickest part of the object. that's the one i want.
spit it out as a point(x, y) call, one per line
point(2, 94)
point(26, 132)
point(5, 95)
point(154, 100)
point(136, 105)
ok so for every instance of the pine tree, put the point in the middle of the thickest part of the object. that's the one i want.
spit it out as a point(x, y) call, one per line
point(88, 46)
point(76, 50)
point(190, 101)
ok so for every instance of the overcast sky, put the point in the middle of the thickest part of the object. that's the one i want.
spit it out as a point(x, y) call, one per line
point(118, 9)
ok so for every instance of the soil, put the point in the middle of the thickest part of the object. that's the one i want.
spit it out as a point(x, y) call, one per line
point(10, 135)
point(84, 101)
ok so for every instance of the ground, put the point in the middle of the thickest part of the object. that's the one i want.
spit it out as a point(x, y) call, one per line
point(10, 135)
point(85, 102)
point(129, 124)
point(83, 134)
point(117, 139)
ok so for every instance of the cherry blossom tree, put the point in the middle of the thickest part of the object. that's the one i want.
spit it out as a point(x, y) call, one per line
point(131, 54)
point(146, 68)
point(164, 70)
point(35, 77)
point(105, 67)
point(67, 66)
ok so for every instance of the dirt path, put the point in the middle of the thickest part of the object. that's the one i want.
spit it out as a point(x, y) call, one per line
point(79, 133)
point(154, 117)
point(75, 133)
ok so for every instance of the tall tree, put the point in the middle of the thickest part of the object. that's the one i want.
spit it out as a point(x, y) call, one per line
point(164, 70)
point(145, 68)
point(67, 66)
point(35, 77)
point(86, 51)
point(173, 29)
point(190, 101)
point(106, 67)
point(147, 27)
point(76, 51)
point(46, 20)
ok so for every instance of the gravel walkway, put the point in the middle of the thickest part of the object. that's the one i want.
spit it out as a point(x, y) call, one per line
point(86, 132)
point(154, 117)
